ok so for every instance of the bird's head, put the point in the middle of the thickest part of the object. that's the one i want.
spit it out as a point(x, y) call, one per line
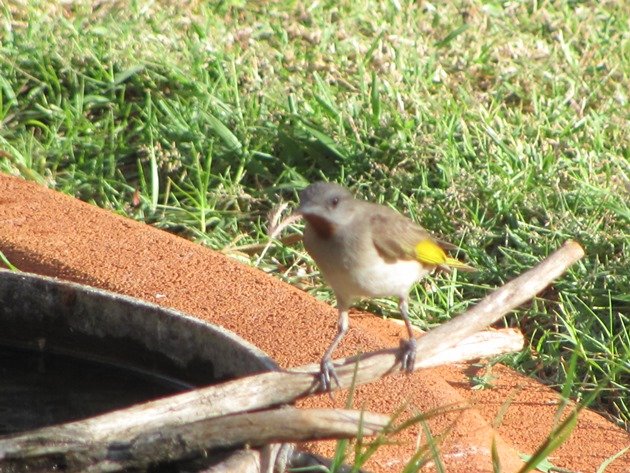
point(325, 206)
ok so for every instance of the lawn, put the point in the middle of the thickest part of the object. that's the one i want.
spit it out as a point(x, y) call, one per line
point(499, 126)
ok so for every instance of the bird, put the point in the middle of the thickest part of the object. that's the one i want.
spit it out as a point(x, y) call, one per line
point(366, 250)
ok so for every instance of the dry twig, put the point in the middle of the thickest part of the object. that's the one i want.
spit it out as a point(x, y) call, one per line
point(276, 226)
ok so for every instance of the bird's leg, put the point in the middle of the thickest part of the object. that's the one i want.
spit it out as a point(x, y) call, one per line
point(327, 370)
point(407, 347)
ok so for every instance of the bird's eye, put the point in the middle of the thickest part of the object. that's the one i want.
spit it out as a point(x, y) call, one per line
point(334, 201)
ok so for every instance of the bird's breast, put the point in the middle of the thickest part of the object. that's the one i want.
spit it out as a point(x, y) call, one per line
point(383, 278)
point(353, 268)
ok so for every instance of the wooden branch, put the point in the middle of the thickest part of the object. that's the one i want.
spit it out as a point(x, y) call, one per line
point(259, 428)
point(196, 438)
point(455, 341)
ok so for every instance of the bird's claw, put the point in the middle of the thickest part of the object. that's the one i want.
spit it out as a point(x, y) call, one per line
point(327, 374)
point(408, 354)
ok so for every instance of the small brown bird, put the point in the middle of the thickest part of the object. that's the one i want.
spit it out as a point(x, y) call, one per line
point(367, 250)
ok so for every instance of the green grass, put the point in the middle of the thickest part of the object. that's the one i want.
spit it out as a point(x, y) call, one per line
point(502, 127)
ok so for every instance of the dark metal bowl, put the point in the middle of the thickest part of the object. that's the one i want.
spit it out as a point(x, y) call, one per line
point(69, 351)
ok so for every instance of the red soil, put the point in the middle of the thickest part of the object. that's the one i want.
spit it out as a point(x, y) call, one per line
point(49, 233)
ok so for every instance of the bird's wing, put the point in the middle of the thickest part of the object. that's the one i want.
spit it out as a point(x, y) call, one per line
point(394, 235)
point(397, 237)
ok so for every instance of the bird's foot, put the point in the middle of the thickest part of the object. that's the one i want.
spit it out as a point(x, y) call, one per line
point(327, 374)
point(408, 354)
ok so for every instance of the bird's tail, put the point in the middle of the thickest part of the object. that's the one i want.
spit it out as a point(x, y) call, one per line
point(455, 263)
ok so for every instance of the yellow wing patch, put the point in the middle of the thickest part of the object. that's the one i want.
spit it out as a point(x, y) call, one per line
point(429, 252)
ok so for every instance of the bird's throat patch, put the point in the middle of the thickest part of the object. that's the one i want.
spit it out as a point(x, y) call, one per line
point(322, 226)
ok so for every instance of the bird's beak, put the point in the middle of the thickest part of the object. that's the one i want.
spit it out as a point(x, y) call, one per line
point(305, 209)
